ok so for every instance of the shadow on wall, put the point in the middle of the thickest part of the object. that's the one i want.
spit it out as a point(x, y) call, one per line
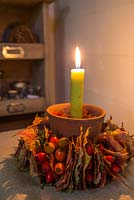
point(60, 52)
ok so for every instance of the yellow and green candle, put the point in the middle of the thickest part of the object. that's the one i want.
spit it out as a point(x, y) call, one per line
point(77, 87)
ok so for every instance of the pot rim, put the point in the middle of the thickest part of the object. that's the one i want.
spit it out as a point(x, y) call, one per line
point(103, 113)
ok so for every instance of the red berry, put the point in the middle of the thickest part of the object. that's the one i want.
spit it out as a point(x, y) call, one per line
point(50, 132)
point(89, 176)
point(110, 158)
point(116, 169)
point(59, 168)
point(46, 167)
point(89, 149)
point(41, 157)
point(54, 139)
point(49, 177)
point(60, 154)
point(101, 148)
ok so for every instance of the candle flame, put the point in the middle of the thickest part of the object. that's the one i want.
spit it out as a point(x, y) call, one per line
point(77, 58)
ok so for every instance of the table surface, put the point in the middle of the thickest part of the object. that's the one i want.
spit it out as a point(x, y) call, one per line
point(15, 185)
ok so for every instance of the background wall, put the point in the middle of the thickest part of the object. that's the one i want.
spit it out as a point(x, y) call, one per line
point(104, 32)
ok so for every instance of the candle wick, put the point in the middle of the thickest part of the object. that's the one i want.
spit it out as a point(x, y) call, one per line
point(77, 66)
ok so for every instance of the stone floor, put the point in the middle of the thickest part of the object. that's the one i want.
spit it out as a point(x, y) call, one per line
point(16, 185)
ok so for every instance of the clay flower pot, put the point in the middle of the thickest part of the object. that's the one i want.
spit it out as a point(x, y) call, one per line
point(71, 126)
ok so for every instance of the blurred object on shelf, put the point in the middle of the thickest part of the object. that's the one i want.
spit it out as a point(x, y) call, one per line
point(30, 89)
point(38, 90)
point(1, 84)
point(19, 33)
point(31, 96)
point(23, 93)
point(20, 87)
point(34, 90)
point(19, 84)
point(12, 94)
point(25, 89)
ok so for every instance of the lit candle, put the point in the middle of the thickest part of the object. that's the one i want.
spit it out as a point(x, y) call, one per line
point(77, 87)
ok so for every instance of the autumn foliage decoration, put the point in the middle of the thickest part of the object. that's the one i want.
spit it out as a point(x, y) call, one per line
point(74, 163)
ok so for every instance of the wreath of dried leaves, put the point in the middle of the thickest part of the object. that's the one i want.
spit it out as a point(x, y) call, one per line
point(111, 152)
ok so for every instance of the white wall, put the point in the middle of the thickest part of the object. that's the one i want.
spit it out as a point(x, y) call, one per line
point(104, 32)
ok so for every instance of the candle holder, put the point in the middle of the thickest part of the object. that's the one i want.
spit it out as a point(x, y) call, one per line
point(68, 126)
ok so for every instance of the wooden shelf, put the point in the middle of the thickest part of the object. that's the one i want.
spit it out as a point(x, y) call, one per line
point(21, 106)
point(13, 51)
point(30, 62)
point(24, 2)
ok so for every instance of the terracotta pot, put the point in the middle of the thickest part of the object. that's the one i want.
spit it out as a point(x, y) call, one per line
point(71, 126)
